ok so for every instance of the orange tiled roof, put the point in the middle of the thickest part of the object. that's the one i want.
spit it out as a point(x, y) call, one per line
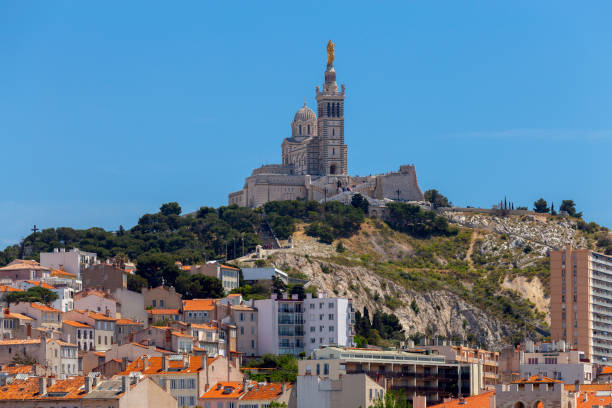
point(94, 292)
point(536, 379)
point(128, 321)
point(591, 399)
point(20, 390)
point(77, 324)
point(19, 264)
point(203, 326)
point(606, 370)
point(179, 334)
point(99, 353)
point(61, 342)
point(218, 391)
point(11, 342)
point(199, 304)
point(590, 387)
point(43, 308)
point(267, 392)
point(13, 315)
point(6, 288)
point(161, 350)
point(17, 369)
point(186, 267)
point(41, 284)
point(155, 366)
point(475, 401)
point(163, 311)
point(100, 316)
point(61, 273)
point(229, 267)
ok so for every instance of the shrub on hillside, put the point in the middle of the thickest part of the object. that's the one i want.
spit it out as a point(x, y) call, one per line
point(415, 221)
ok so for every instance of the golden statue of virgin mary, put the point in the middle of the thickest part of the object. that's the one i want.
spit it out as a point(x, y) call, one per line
point(330, 53)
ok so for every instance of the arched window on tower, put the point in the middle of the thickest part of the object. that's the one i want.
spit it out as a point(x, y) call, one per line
point(333, 132)
point(300, 129)
point(308, 129)
point(338, 109)
point(328, 109)
point(333, 110)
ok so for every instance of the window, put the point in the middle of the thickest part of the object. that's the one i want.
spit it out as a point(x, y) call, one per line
point(318, 369)
point(161, 302)
point(331, 305)
point(331, 317)
point(154, 303)
point(191, 383)
point(242, 317)
point(331, 340)
point(252, 344)
point(328, 109)
point(252, 317)
point(242, 331)
point(313, 340)
point(321, 328)
point(320, 305)
point(312, 306)
point(321, 317)
point(325, 369)
point(313, 329)
point(308, 129)
point(331, 328)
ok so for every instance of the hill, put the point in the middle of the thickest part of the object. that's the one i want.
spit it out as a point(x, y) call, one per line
point(470, 275)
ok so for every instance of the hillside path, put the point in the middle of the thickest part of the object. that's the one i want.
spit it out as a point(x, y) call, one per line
point(468, 256)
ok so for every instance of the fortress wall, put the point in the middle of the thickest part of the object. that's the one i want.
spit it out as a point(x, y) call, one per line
point(405, 180)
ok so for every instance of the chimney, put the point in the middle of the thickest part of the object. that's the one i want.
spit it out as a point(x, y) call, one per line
point(164, 362)
point(145, 362)
point(577, 386)
point(125, 384)
point(419, 401)
point(205, 358)
point(42, 386)
point(87, 388)
point(29, 330)
point(244, 384)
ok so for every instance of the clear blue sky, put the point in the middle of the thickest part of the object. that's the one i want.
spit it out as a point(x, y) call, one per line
point(109, 109)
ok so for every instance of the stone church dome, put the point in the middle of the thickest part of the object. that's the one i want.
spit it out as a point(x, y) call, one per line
point(304, 114)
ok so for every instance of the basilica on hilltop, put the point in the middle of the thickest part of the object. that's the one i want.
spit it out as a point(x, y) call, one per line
point(314, 159)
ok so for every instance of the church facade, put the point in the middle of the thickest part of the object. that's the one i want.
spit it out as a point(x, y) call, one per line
point(314, 159)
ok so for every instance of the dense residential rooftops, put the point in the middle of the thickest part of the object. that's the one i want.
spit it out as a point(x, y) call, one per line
point(203, 326)
point(17, 369)
point(94, 292)
point(95, 315)
point(62, 343)
point(199, 305)
point(63, 274)
point(243, 308)
point(41, 284)
point(6, 313)
point(177, 364)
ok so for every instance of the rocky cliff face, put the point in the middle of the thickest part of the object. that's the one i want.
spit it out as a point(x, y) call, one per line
point(375, 271)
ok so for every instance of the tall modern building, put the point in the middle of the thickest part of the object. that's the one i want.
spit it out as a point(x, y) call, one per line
point(289, 325)
point(581, 302)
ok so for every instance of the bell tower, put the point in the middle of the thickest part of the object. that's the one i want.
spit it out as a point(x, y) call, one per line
point(332, 151)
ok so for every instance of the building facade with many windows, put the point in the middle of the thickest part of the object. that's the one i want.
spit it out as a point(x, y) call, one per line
point(581, 302)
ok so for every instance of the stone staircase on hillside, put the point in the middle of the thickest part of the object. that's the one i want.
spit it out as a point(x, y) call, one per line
point(266, 235)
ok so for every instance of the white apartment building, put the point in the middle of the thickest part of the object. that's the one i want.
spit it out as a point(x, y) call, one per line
point(289, 325)
point(65, 299)
point(554, 361)
point(73, 261)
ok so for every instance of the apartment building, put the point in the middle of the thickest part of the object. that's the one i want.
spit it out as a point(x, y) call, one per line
point(186, 377)
point(198, 310)
point(103, 324)
point(161, 297)
point(488, 360)
point(42, 315)
point(11, 322)
point(228, 275)
point(97, 301)
point(289, 325)
point(23, 269)
point(554, 361)
point(411, 373)
point(581, 302)
point(81, 333)
point(245, 318)
point(74, 261)
point(348, 391)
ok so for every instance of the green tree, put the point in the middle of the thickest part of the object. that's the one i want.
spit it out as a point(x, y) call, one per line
point(170, 208)
point(570, 207)
point(413, 220)
point(156, 268)
point(391, 400)
point(437, 199)
point(136, 282)
point(278, 286)
point(298, 290)
point(552, 209)
point(359, 201)
point(44, 295)
point(541, 206)
point(199, 286)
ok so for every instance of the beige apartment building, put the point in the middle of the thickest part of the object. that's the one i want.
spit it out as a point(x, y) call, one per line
point(581, 302)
